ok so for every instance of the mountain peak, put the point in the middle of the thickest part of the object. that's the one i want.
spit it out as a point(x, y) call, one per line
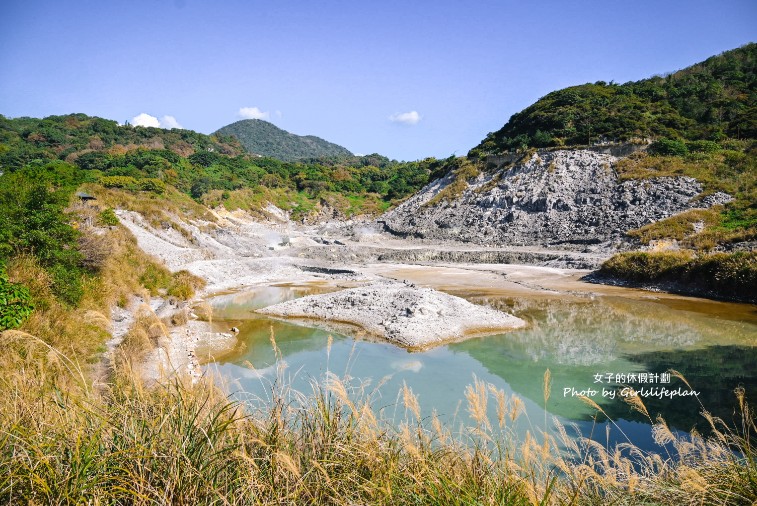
point(264, 138)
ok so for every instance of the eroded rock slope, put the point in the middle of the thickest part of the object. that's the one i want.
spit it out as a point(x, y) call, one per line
point(554, 198)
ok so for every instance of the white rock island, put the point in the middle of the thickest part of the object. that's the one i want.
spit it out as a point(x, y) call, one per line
point(403, 314)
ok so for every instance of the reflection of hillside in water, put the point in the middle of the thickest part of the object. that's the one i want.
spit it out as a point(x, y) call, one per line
point(595, 331)
point(578, 338)
point(574, 337)
point(240, 305)
point(715, 372)
point(254, 342)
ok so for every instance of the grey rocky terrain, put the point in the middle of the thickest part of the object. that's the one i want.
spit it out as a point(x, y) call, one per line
point(564, 199)
point(401, 313)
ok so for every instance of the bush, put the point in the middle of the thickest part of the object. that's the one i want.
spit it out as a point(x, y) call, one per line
point(94, 160)
point(703, 146)
point(125, 182)
point(15, 303)
point(33, 221)
point(726, 275)
point(641, 266)
point(668, 147)
point(95, 249)
point(108, 218)
point(155, 277)
point(67, 282)
point(152, 184)
point(184, 284)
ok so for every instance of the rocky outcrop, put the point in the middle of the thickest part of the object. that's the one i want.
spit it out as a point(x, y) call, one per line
point(354, 253)
point(403, 314)
point(554, 198)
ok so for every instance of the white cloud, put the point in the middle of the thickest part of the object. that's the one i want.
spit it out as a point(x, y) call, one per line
point(146, 120)
point(253, 113)
point(407, 118)
point(169, 122)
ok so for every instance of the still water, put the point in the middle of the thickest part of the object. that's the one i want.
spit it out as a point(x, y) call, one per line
point(580, 339)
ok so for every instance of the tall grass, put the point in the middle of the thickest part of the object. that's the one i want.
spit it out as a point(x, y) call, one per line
point(62, 441)
point(182, 443)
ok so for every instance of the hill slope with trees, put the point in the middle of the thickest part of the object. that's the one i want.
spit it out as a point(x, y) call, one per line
point(212, 169)
point(266, 139)
point(712, 100)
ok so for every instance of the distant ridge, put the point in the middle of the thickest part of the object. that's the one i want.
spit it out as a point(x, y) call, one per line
point(263, 138)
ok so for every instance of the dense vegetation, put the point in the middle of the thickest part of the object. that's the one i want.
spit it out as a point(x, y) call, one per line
point(33, 221)
point(729, 275)
point(266, 139)
point(212, 169)
point(711, 100)
point(44, 162)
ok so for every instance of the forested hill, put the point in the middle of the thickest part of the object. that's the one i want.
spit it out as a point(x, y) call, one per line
point(263, 138)
point(212, 169)
point(711, 100)
point(44, 162)
point(82, 137)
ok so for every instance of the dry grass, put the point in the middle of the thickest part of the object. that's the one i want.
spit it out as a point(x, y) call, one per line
point(157, 209)
point(732, 172)
point(188, 444)
point(79, 331)
point(123, 270)
point(679, 227)
point(466, 169)
point(184, 284)
point(699, 229)
point(143, 335)
point(728, 275)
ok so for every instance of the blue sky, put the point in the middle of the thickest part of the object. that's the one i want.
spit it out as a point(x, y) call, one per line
point(405, 79)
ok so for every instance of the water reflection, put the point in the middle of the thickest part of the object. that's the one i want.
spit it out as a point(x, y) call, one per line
point(589, 331)
point(714, 371)
point(574, 337)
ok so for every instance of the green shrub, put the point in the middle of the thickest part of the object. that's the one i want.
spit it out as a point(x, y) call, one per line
point(67, 282)
point(668, 147)
point(728, 275)
point(125, 182)
point(155, 277)
point(15, 303)
point(703, 146)
point(641, 266)
point(152, 184)
point(107, 217)
point(33, 221)
point(184, 284)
